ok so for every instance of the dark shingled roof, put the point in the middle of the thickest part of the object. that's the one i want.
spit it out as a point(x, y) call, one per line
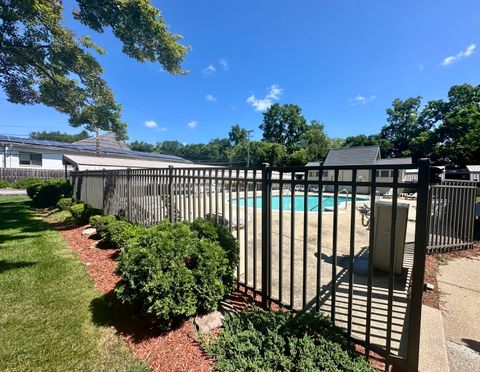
point(361, 155)
point(394, 161)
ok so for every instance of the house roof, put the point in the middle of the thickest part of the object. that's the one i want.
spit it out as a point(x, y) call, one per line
point(89, 149)
point(361, 155)
point(91, 162)
point(473, 168)
point(106, 140)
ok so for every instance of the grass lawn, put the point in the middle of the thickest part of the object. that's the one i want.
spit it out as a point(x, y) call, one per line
point(45, 299)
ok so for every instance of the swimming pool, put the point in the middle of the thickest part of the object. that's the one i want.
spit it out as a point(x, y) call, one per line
point(312, 202)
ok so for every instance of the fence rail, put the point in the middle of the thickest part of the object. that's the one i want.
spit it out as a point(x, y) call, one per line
point(452, 216)
point(300, 247)
point(17, 174)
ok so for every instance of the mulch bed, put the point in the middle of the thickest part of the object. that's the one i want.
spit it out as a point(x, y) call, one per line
point(174, 350)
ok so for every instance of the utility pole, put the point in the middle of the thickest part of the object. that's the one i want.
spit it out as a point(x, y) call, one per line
point(249, 132)
point(97, 143)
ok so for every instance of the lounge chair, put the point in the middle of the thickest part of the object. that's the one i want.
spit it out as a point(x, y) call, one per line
point(412, 195)
point(388, 194)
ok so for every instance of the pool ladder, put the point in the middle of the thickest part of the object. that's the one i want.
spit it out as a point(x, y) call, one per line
point(331, 196)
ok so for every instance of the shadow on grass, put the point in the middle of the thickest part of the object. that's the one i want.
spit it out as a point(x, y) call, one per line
point(12, 265)
point(128, 320)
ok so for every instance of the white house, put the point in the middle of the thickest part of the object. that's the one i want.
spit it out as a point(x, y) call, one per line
point(474, 171)
point(104, 153)
point(360, 155)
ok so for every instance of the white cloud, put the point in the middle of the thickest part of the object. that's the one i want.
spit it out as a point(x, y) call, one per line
point(193, 124)
point(209, 70)
point(261, 104)
point(210, 98)
point(463, 54)
point(151, 124)
point(223, 62)
point(361, 100)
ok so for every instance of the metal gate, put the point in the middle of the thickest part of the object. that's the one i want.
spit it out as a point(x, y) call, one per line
point(452, 216)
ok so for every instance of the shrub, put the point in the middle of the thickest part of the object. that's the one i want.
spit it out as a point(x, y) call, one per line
point(26, 182)
point(47, 193)
point(113, 230)
point(4, 184)
point(171, 272)
point(81, 213)
point(64, 204)
point(209, 229)
point(271, 341)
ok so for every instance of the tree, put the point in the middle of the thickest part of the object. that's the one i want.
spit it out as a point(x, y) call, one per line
point(284, 125)
point(141, 146)
point(457, 123)
point(373, 139)
point(237, 135)
point(299, 157)
point(169, 148)
point(315, 142)
point(403, 126)
point(59, 136)
point(41, 61)
point(260, 152)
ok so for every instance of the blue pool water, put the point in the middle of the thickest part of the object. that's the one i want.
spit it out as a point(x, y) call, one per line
point(312, 202)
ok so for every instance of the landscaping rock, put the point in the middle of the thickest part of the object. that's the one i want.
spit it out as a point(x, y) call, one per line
point(89, 231)
point(209, 322)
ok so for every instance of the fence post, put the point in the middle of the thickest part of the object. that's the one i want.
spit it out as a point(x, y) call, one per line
point(421, 232)
point(129, 197)
point(266, 212)
point(171, 195)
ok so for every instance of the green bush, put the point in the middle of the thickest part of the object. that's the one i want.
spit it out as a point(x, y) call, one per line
point(172, 273)
point(209, 229)
point(283, 341)
point(81, 213)
point(4, 184)
point(47, 193)
point(115, 231)
point(26, 182)
point(121, 231)
point(64, 204)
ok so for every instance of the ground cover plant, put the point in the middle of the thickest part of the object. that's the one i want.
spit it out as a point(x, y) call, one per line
point(173, 273)
point(47, 193)
point(45, 302)
point(261, 340)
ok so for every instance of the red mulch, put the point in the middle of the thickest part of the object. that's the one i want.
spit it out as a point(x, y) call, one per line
point(175, 350)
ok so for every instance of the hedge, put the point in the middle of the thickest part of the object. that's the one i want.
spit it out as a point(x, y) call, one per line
point(47, 193)
point(81, 213)
point(115, 231)
point(172, 272)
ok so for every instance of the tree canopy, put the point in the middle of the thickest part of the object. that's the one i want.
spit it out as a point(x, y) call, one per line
point(59, 136)
point(44, 62)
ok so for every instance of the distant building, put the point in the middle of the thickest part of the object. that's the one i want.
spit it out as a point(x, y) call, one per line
point(16, 152)
point(360, 155)
point(474, 171)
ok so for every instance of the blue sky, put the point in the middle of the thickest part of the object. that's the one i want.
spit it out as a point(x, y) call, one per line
point(343, 62)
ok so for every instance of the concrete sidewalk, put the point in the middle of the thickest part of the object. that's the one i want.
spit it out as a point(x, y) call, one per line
point(12, 192)
point(459, 285)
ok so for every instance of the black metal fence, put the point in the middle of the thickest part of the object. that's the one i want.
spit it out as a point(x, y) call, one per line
point(300, 246)
point(452, 215)
point(17, 174)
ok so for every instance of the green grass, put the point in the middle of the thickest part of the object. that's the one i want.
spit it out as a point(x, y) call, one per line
point(45, 302)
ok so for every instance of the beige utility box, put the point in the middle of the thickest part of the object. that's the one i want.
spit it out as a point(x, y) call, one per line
point(382, 235)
